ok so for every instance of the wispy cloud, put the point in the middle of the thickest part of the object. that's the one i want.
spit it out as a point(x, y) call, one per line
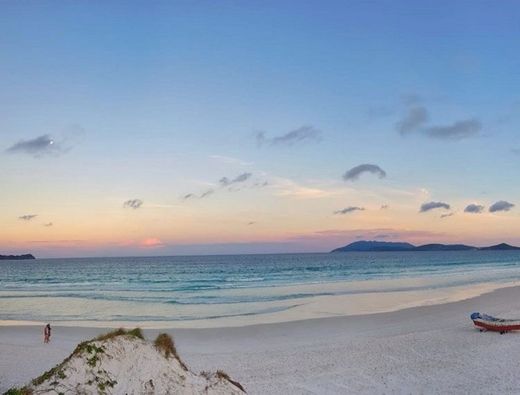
point(191, 196)
point(447, 215)
point(415, 121)
point(349, 210)
point(225, 181)
point(288, 188)
point(501, 205)
point(456, 131)
point(28, 217)
point(133, 203)
point(39, 146)
point(434, 205)
point(260, 184)
point(415, 118)
point(354, 173)
point(300, 135)
point(48, 224)
point(474, 208)
point(209, 192)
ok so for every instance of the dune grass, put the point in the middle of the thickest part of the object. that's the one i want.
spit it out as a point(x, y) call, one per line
point(136, 332)
point(18, 391)
point(164, 342)
point(224, 376)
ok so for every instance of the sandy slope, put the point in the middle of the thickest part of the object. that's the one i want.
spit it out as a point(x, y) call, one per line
point(427, 350)
point(127, 365)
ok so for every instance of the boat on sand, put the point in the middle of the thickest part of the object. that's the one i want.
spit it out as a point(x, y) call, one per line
point(488, 323)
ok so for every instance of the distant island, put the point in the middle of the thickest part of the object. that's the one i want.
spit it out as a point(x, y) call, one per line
point(386, 246)
point(16, 257)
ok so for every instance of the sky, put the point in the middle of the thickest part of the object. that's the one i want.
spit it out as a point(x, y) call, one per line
point(223, 127)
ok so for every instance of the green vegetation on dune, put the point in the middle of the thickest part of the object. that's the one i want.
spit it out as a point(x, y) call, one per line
point(91, 353)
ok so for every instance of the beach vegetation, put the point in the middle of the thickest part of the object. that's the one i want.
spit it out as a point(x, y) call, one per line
point(136, 332)
point(224, 376)
point(18, 391)
point(95, 351)
point(103, 381)
point(164, 343)
point(56, 371)
point(91, 349)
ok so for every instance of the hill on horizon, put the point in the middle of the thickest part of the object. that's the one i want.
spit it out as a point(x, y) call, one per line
point(386, 246)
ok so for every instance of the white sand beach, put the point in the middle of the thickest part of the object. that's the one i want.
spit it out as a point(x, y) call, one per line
point(431, 349)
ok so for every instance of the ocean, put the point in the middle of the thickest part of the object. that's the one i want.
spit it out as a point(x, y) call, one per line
point(173, 290)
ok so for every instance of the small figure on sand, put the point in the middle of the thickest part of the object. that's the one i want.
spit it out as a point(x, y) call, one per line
point(47, 333)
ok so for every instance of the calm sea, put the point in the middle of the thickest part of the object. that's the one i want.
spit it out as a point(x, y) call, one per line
point(208, 287)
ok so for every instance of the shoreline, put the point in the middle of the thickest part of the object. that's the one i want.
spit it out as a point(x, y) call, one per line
point(314, 307)
point(392, 352)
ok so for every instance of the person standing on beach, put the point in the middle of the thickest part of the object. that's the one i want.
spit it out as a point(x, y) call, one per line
point(47, 333)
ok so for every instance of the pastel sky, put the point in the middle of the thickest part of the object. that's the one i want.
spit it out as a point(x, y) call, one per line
point(211, 127)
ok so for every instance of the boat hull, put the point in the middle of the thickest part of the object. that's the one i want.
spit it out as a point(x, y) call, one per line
point(489, 323)
point(490, 326)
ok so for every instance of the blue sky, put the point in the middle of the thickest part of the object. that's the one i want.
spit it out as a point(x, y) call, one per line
point(156, 100)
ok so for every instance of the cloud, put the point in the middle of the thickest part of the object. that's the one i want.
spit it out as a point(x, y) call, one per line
point(456, 131)
point(206, 194)
point(251, 223)
point(224, 181)
point(288, 188)
point(151, 243)
point(260, 184)
point(413, 120)
point(349, 210)
point(302, 134)
point(434, 205)
point(354, 173)
point(385, 207)
point(417, 116)
point(228, 183)
point(48, 224)
point(447, 215)
point(474, 208)
point(27, 217)
point(515, 151)
point(39, 146)
point(501, 205)
point(203, 195)
point(133, 203)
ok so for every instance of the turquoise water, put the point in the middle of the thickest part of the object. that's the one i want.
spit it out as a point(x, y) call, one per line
point(208, 287)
